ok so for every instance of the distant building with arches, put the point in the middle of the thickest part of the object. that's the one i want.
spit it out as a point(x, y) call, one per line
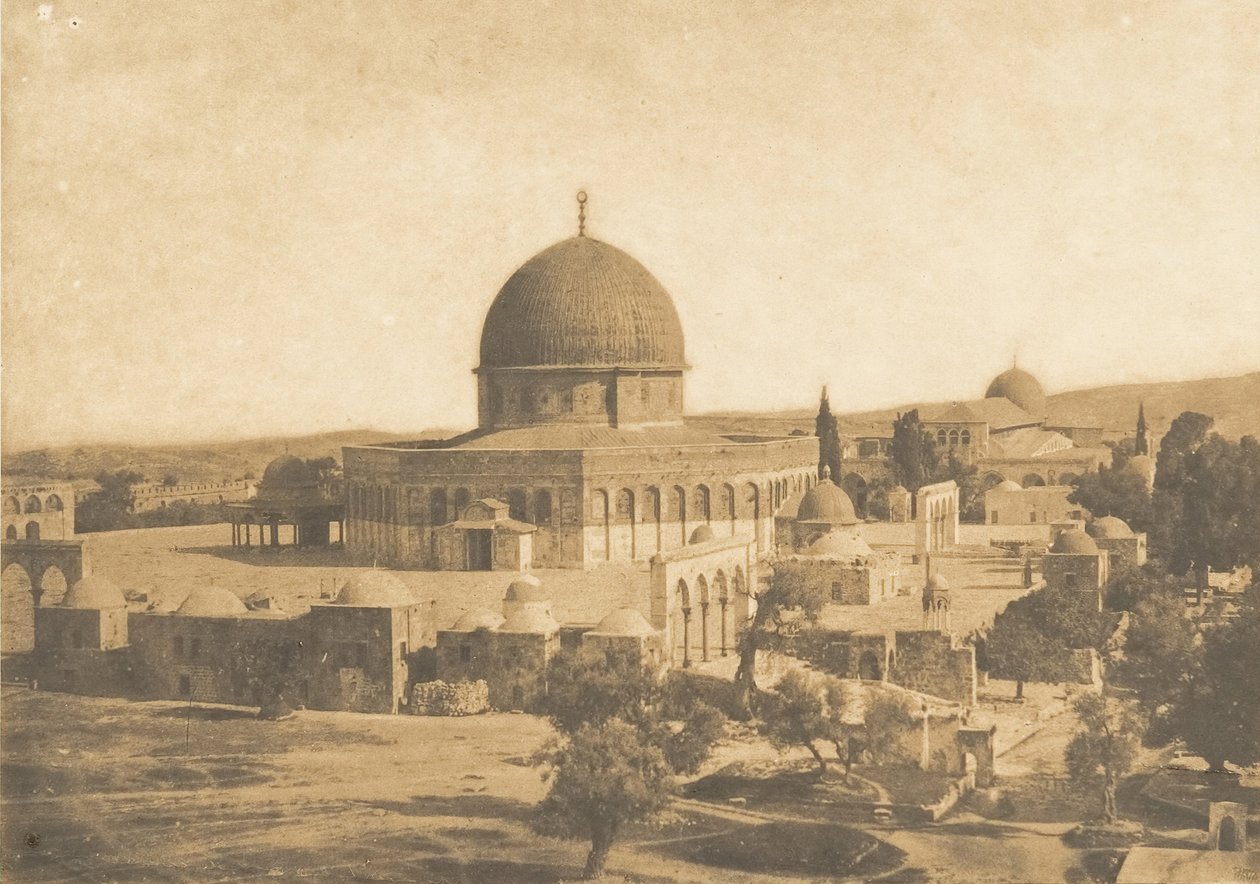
point(40, 556)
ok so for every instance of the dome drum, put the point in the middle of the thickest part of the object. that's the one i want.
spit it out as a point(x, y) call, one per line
point(620, 396)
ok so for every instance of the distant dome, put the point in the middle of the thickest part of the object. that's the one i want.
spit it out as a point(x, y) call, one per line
point(937, 583)
point(474, 620)
point(212, 601)
point(529, 618)
point(624, 621)
point(375, 589)
point(526, 588)
point(582, 302)
point(1021, 388)
point(93, 593)
point(1109, 528)
point(1141, 465)
point(288, 477)
point(839, 545)
point(702, 534)
point(827, 503)
point(1008, 485)
point(1074, 542)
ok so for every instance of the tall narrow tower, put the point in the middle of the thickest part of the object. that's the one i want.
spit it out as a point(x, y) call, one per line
point(828, 432)
point(1141, 445)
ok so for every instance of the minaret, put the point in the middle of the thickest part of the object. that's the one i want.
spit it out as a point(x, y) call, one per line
point(1141, 445)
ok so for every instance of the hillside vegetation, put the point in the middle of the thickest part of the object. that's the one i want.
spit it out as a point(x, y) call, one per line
point(1233, 402)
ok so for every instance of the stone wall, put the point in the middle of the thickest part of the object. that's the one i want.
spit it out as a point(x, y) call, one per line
point(450, 698)
point(935, 663)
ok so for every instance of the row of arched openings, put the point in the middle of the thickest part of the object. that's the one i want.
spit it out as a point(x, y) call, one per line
point(953, 437)
point(703, 617)
point(32, 504)
point(31, 531)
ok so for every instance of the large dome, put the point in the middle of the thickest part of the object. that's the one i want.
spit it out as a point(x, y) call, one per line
point(582, 302)
point(1021, 388)
point(826, 503)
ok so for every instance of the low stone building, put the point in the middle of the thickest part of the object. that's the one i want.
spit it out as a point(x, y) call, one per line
point(822, 539)
point(1120, 541)
point(1075, 562)
point(355, 654)
point(511, 652)
point(1009, 503)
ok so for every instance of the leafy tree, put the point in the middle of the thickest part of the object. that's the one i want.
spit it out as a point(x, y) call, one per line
point(1186, 433)
point(796, 714)
point(586, 687)
point(1127, 585)
point(1016, 648)
point(1161, 651)
point(912, 453)
point(1218, 712)
point(887, 718)
point(1029, 639)
point(323, 469)
point(604, 777)
point(108, 508)
point(1102, 750)
point(828, 432)
point(1114, 491)
point(788, 603)
point(1219, 527)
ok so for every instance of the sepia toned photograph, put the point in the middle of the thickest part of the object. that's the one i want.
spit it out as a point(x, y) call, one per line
point(531, 442)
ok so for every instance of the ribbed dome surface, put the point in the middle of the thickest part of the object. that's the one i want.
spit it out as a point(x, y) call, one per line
point(1109, 528)
point(375, 589)
point(93, 593)
point(1021, 388)
point(1075, 542)
point(582, 302)
point(212, 601)
point(826, 502)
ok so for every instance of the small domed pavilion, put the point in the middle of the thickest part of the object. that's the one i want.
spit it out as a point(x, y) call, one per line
point(292, 494)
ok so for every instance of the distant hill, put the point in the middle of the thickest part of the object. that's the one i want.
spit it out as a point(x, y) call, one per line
point(204, 462)
point(1233, 402)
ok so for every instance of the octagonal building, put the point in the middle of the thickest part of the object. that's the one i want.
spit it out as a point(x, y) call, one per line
point(581, 455)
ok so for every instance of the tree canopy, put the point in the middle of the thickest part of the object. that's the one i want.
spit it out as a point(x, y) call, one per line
point(912, 453)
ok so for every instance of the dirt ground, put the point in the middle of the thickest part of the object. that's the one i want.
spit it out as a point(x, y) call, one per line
point(102, 790)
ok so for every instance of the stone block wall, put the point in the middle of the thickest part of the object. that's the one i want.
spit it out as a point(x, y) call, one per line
point(450, 698)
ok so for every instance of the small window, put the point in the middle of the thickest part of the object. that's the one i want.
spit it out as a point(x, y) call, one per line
point(465, 654)
point(1032, 517)
point(993, 517)
point(837, 592)
point(179, 646)
point(402, 650)
point(185, 686)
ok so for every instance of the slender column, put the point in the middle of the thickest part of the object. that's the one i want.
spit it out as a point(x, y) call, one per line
point(248, 534)
point(704, 632)
point(686, 637)
point(723, 603)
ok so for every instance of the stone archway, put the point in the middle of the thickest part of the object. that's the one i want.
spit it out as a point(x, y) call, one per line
point(17, 604)
point(869, 668)
point(1227, 834)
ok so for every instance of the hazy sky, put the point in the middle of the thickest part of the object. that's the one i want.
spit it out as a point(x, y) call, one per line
point(244, 218)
